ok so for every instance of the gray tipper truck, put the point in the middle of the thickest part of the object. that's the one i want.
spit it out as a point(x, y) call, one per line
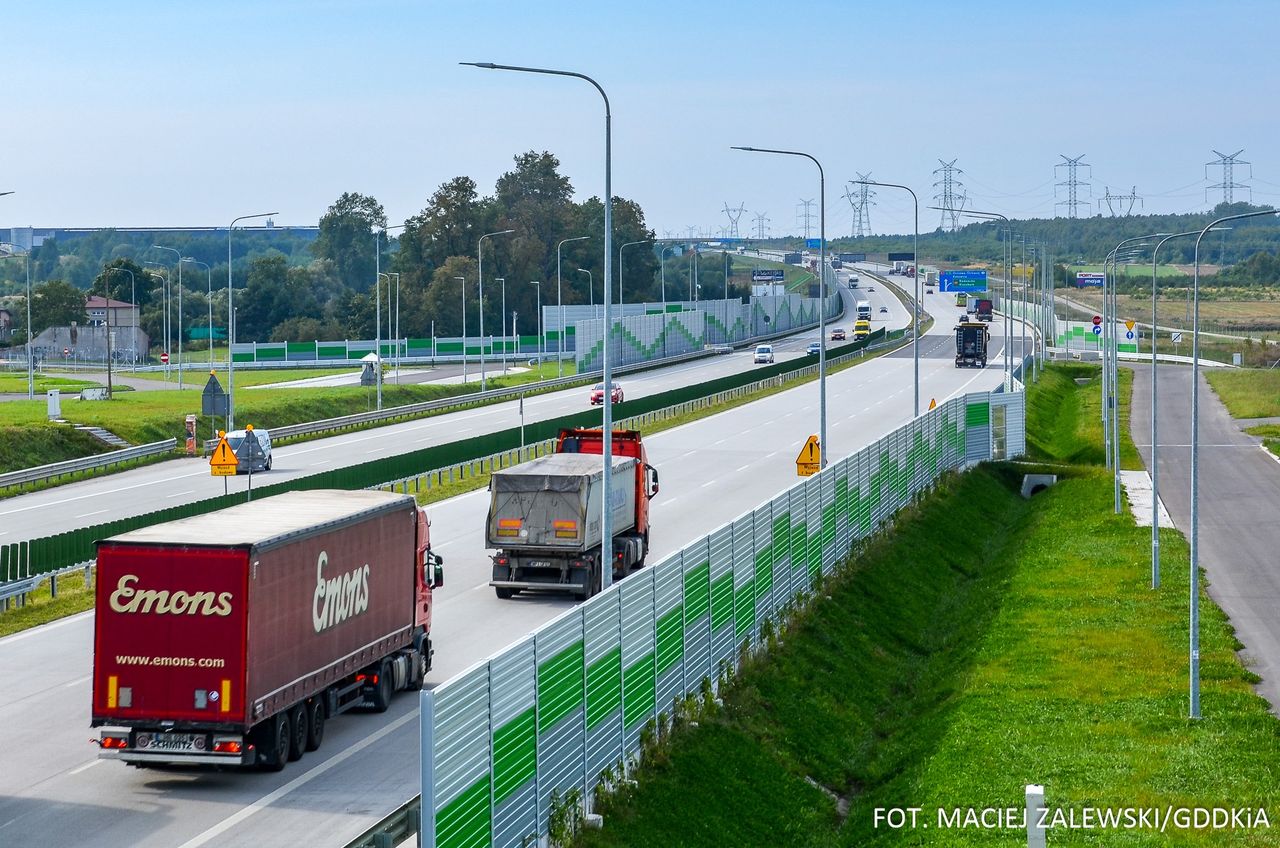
point(544, 520)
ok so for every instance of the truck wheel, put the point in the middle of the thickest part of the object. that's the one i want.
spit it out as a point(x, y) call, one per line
point(315, 723)
point(297, 732)
point(273, 742)
point(382, 692)
point(504, 593)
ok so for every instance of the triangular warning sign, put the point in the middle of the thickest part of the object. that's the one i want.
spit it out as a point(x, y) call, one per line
point(224, 459)
point(933, 403)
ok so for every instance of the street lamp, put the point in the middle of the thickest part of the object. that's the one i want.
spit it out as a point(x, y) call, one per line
point(231, 360)
point(31, 371)
point(621, 270)
point(1195, 461)
point(915, 287)
point(480, 278)
point(1110, 411)
point(662, 264)
point(591, 290)
point(537, 284)
point(106, 284)
point(503, 281)
point(377, 275)
point(209, 274)
point(179, 255)
point(163, 277)
point(560, 307)
point(1008, 287)
point(822, 293)
point(463, 280)
point(606, 514)
point(397, 327)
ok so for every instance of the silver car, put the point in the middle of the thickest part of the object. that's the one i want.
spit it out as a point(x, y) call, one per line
point(262, 460)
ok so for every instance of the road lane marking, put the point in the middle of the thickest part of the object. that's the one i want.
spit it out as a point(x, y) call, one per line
point(180, 494)
point(87, 514)
point(77, 681)
point(271, 797)
point(84, 767)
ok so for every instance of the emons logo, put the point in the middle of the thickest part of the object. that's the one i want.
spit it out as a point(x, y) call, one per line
point(126, 598)
point(340, 597)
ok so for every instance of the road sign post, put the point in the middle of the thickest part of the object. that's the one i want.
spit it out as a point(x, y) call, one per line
point(809, 460)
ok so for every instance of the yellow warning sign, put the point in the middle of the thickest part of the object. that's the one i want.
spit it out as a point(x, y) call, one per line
point(223, 462)
point(1129, 324)
point(933, 403)
point(809, 460)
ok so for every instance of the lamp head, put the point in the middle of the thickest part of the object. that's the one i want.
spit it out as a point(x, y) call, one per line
point(489, 66)
point(735, 147)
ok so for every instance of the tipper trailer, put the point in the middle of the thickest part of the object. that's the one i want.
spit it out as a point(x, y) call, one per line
point(230, 638)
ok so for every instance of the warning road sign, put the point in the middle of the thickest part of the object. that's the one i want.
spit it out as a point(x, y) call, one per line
point(1129, 324)
point(809, 460)
point(223, 463)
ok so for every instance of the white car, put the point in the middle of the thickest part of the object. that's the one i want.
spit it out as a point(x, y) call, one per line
point(262, 462)
point(764, 355)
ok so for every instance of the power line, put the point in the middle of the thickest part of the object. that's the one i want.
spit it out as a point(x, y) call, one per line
point(1228, 184)
point(1073, 183)
point(952, 197)
point(806, 215)
point(761, 225)
point(734, 215)
point(861, 203)
point(1114, 200)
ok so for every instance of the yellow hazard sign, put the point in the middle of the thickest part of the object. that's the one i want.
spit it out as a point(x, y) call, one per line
point(933, 403)
point(809, 460)
point(223, 462)
point(1129, 324)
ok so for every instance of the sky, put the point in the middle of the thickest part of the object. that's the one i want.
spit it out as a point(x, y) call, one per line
point(178, 113)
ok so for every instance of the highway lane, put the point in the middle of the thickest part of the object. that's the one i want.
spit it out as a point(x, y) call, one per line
point(164, 484)
point(711, 471)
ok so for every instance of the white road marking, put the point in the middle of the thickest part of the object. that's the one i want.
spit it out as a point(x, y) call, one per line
point(87, 514)
point(78, 681)
point(180, 494)
point(271, 797)
point(706, 484)
point(84, 767)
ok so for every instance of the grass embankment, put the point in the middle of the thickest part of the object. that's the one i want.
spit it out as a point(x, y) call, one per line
point(1064, 417)
point(40, 444)
point(986, 643)
point(73, 596)
point(1248, 393)
point(17, 383)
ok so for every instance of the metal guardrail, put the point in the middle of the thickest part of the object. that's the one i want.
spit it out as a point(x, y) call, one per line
point(397, 827)
point(21, 588)
point(88, 463)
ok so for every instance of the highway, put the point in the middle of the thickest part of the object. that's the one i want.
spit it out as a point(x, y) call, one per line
point(711, 471)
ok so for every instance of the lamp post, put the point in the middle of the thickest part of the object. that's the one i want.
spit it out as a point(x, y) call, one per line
point(606, 515)
point(179, 255)
point(662, 264)
point(537, 284)
point(397, 326)
point(164, 312)
point(463, 280)
point(480, 278)
point(1008, 288)
point(106, 284)
point(377, 275)
point(560, 306)
point(31, 371)
point(503, 281)
point(231, 360)
point(1110, 411)
point(209, 299)
point(1195, 460)
point(915, 287)
point(621, 269)
point(822, 293)
point(591, 290)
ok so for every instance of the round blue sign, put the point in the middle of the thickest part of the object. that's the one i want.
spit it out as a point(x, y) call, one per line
point(1129, 335)
point(1097, 331)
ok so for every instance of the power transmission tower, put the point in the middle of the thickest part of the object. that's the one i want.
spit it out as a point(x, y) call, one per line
point(806, 215)
point(1228, 184)
point(1114, 200)
point(952, 197)
point(734, 215)
point(761, 228)
point(861, 203)
point(1073, 183)
point(693, 231)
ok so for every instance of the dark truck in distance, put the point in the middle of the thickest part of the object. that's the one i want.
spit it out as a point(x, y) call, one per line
point(971, 344)
point(230, 638)
point(544, 515)
point(983, 309)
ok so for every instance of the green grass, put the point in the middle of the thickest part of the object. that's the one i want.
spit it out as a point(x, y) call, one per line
point(1138, 271)
point(1248, 393)
point(41, 608)
point(41, 444)
point(17, 383)
point(988, 642)
point(1270, 435)
point(1064, 420)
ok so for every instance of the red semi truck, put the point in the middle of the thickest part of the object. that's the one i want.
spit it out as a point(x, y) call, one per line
point(230, 638)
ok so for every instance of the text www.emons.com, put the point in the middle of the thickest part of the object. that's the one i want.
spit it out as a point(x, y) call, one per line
point(183, 662)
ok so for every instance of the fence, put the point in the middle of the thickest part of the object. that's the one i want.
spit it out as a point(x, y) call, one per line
point(553, 713)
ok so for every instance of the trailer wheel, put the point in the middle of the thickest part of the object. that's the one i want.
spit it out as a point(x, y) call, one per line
point(315, 723)
point(273, 742)
point(504, 593)
point(382, 692)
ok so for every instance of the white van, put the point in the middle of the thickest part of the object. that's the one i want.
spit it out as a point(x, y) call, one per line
point(764, 355)
point(236, 438)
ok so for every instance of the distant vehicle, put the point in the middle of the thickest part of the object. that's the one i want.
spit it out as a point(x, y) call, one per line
point(884, 309)
point(597, 394)
point(971, 344)
point(861, 329)
point(263, 462)
point(764, 355)
point(838, 334)
point(928, 291)
point(814, 348)
point(983, 309)
point(853, 278)
point(871, 288)
point(862, 309)
point(837, 264)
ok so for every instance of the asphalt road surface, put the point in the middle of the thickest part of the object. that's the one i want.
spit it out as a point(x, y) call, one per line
point(1239, 533)
point(711, 470)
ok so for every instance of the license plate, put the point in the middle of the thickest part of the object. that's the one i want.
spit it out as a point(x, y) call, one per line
point(171, 742)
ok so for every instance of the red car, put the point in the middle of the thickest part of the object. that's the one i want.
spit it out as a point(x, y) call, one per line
point(597, 394)
point(838, 335)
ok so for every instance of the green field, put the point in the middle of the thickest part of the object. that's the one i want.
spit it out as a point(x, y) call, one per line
point(987, 643)
point(17, 383)
point(1247, 393)
point(797, 279)
point(1135, 270)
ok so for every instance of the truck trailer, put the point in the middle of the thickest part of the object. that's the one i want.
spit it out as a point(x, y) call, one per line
point(544, 518)
point(231, 638)
point(971, 344)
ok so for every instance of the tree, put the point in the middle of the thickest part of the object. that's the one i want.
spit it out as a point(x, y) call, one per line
point(442, 301)
point(346, 238)
point(124, 288)
point(56, 303)
point(274, 294)
point(305, 329)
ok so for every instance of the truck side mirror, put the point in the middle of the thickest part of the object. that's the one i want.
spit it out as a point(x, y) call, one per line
point(653, 479)
point(437, 581)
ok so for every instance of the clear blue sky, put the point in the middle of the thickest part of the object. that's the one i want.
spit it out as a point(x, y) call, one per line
point(180, 113)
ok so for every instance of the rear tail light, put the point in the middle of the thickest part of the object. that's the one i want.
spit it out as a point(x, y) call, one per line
point(369, 679)
point(228, 746)
point(114, 742)
point(501, 560)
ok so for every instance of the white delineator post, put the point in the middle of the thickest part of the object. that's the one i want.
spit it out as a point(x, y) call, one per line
point(1035, 809)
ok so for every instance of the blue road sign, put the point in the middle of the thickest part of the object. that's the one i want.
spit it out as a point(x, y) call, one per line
point(1086, 278)
point(1129, 335)
point(963, 280)
point(1097, 331)
point(813, 244)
